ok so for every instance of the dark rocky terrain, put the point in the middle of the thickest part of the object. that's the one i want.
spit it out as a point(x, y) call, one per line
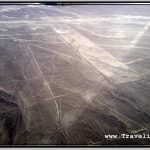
point(71, 74)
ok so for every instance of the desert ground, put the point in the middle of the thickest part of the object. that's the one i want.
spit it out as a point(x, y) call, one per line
point(69, 75)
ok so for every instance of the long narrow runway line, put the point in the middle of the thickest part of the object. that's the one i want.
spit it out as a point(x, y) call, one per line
point(143, 128)
point(47, 86)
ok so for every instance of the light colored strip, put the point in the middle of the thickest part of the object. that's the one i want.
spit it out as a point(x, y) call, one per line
point(104, 62)
point(139, 35)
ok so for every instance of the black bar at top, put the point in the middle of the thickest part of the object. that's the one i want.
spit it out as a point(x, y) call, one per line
point(73, 2)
